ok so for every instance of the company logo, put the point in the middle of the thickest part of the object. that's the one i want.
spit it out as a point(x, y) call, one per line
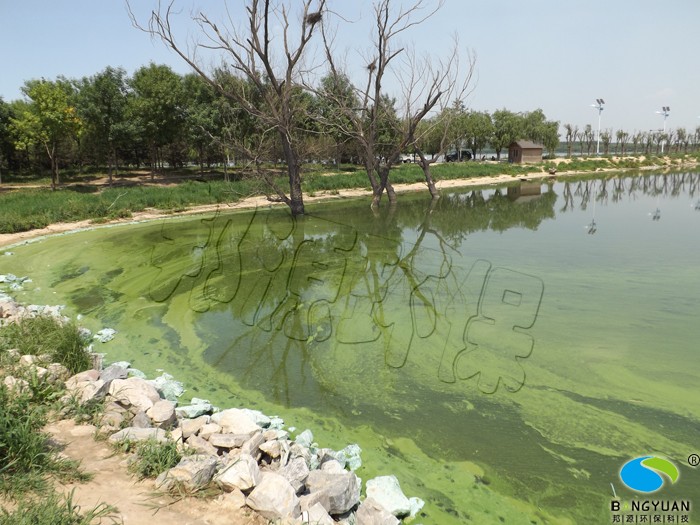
point(644, 474)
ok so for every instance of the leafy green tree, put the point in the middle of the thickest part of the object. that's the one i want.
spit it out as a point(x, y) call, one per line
point(6, 141)
point(480, 130)
point(202, 119)
point(336, 92)
point(537, 128)
point(48, 120)
point(102, 105)
point(458, 127)
point(507, 127)
point(158, 106)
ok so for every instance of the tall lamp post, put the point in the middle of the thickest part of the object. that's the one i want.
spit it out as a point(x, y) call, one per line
point(599, 106)
point(664, 111)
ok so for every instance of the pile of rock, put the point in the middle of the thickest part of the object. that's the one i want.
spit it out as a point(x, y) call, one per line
point(248, 454)
point(12, 311)
point(30, 366)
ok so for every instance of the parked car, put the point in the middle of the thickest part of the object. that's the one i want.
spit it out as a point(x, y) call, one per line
point(454, 156)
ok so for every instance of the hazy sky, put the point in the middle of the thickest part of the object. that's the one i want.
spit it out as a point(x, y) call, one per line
point(558, 55)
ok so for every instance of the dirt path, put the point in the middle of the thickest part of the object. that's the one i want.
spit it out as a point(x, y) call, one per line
point(137, 503)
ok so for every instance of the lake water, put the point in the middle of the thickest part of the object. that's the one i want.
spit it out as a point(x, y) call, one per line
point(502, 351)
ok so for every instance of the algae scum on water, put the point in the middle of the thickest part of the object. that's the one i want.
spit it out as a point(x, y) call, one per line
point(498, 357)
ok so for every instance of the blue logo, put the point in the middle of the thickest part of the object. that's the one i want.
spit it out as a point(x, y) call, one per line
point(643, 474)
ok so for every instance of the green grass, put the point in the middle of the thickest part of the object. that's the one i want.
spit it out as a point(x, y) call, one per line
point(28, 209)
point(45, 335)
point(152, 457)
point(27, 460)
point(56, 510)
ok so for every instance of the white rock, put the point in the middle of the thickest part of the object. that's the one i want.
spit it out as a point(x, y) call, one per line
point(274, 498)
point(274, 433)
point(192, 426)
point(201, 446)
point(162, 413)
point(337, 492)
point(89, 390)
point(135, 391)
point(227, 441)
point(372, 513)
point(242, 474)
point(208, 430)
point(252, 445)
point(192, 471)
point(296, 472)
point(386, 491)
point(235, 421)
point(272, 448)
point(28, 360)
point(305, 439)
point(258, 417)
point(332, 466)
point(139, 434)
point(416, 505)
point(87, 375)
point(317, 515)
point(168, 387)
point(194, 410)
point(16, 385)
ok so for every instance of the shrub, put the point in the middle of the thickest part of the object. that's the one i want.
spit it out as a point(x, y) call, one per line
point(47, 335)
point(21, 440)
point(152, 457)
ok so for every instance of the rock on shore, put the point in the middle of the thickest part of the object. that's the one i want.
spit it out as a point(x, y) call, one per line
point(245, 452)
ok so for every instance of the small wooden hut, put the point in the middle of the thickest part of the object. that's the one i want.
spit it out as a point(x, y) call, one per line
point(524, 152)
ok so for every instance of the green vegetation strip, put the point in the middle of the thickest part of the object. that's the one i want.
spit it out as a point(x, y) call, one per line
point(28, 462)
point(28, 209)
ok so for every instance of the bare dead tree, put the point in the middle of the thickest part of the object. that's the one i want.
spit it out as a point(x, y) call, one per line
point(273, 71)
point(571, 134)
point(424, 83)
point(432, 84)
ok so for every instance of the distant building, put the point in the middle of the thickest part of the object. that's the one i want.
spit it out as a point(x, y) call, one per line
point(524, 152)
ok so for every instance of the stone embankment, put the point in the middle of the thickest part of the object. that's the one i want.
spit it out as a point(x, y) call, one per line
point(246, 453)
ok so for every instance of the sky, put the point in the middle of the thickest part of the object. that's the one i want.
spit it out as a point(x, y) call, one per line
point(557, 55)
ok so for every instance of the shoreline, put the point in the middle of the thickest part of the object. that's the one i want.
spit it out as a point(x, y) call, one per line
point(8, 240)
point(259, 463)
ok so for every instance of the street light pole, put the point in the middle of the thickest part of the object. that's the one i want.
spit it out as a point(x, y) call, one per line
point(664, 111)
point(599, 106)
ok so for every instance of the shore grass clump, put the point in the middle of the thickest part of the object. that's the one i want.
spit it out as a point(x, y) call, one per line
point(153, 457)
point(27, 459)
point(56, 510)
point(22, 444)
point(46, 335)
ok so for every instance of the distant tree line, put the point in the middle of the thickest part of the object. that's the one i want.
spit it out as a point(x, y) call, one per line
point(621, 142)
point(274, 102)
point(157, 117)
